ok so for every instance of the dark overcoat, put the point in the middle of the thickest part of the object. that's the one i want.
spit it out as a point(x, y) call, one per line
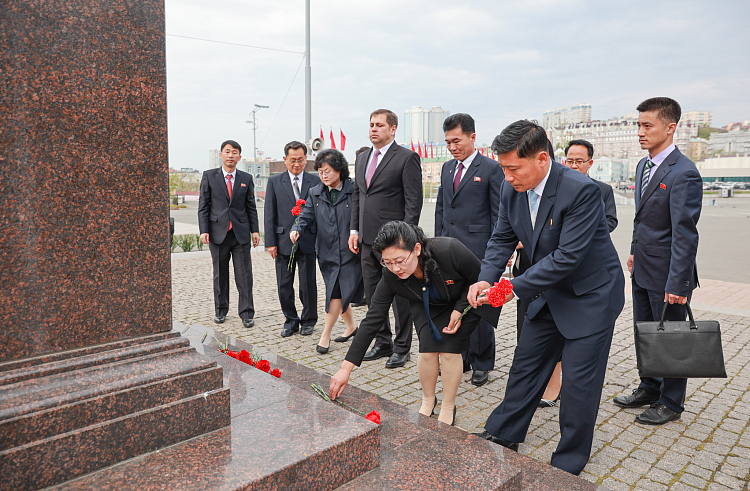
point(332, 241)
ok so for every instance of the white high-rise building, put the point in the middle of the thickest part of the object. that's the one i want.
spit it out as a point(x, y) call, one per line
point(424, 125)
point(214, 162)
point(557, 118)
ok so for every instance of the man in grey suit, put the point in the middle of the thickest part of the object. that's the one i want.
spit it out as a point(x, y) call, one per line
point(282, 192)
point(668, 200)
point(466, 209)
point(579, 155)
point(388, 186)
point(228, 222)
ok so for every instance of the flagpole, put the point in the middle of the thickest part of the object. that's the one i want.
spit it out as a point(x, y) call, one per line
point(308, 90)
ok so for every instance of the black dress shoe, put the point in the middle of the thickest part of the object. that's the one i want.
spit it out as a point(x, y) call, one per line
point(433, 407)
point(248, 323)
point(288, 332)
point(306, 330)
point(377, 352)
point(321, 349)
point(343, 339)
point(396, 360)
point(505, 443)
point(453, 423)
point(638, 398)
point(219, 319)
point(480, 377)
point(657, 414)
point(547, 403)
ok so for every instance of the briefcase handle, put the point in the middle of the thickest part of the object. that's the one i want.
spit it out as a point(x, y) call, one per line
point(664, 314)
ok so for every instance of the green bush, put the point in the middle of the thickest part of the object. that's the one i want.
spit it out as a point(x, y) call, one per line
point(186, 241)
point(198, 242)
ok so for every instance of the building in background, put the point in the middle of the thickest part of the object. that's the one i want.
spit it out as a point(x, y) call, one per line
point(609, 169)
point(725, 169)
point(560, 117)
point(700, 118)
point(260, 172)
point(697, 149)
point(732, 143)
point(214, 162)
point(424, 125)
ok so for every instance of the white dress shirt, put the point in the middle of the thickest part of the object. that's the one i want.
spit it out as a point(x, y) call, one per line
point(466, 163)
point(659, 158)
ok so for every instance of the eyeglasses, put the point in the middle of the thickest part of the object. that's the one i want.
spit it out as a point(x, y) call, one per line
point(297, 161)
point(393, 264)
point(577, 162)
point(326, 172)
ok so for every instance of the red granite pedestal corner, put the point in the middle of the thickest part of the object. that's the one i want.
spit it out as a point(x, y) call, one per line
point(89, 373)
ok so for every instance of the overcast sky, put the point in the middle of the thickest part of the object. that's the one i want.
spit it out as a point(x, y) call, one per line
point(497, 60)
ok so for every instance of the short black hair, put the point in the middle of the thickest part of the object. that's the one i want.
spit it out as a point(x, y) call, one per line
point(463, 120)
point(335, 159)
point(667, 109)
point(362, 149)
point(233, 143)
point(294, 145)
point(405, 236)
point(526, 137)
point(583, 143)
point(550, 150)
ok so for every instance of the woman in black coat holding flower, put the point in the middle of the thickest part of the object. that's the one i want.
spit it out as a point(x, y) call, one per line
point(434, 275)
point(329, 207)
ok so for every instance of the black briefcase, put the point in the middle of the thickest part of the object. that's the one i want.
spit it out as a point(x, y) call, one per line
point(679, 349)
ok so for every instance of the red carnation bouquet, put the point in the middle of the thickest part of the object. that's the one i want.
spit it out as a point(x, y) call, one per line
point(496, 295)
point(296, 210)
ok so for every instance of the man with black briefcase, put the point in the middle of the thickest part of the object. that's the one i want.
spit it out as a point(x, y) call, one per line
point(668, 197)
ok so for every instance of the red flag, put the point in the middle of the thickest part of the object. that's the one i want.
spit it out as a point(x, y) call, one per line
point(482, 150)
point(412, 146)
point(333, 142)
point(432, 155)
point(419, 149)
point(343, 140)
point(321, 134)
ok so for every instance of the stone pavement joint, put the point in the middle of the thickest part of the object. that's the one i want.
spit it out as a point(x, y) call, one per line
point(708, 448)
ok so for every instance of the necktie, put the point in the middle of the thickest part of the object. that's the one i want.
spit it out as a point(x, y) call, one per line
point(533, 206)
point(457, 179)
point(646, 175)
point(296, 187)
point(373, 166)
point(229, 190)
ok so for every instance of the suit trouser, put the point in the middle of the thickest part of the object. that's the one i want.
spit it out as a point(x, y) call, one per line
point(372, 271)
point(481, 353)
point(243, 275)
point(584, 363)
point(647, 306)
point(308, 290)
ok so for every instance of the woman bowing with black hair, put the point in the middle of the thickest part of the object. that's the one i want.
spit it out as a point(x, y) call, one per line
point(434, 275)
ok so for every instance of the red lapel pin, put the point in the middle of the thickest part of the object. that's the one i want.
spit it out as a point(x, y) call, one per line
point(243, 185)
point(662, 185)
point(448, 282)
point(477, 179)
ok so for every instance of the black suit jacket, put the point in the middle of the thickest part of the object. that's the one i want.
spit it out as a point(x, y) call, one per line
point(610, 209)
point(575, 268)
point(470, 213)
point(215, 210)
point(665, 233)
point(278, 213)
point(457, 269)
point(395, 192)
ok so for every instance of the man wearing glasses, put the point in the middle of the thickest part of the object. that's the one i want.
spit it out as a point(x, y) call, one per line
point(579, 155)
point(282, 192)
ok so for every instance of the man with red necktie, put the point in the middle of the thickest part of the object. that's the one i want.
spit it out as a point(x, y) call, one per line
point(228, 222)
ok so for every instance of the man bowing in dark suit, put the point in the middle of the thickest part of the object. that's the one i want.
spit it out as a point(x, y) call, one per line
point(282, 192)
point(388, 186)
point(228, 222)
point(466, 209)
point(668, 199)
point(574, 291)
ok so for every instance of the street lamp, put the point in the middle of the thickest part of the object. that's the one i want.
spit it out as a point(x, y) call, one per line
point(255, 126)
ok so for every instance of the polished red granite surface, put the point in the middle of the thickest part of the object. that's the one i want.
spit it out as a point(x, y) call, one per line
point(84, 233)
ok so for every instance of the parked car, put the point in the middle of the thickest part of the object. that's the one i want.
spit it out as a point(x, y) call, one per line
point(632, 186)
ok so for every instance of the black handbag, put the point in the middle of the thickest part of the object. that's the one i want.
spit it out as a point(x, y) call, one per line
point(679, 349)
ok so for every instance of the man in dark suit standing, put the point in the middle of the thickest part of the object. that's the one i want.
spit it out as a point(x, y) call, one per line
point(282, 192)
point(574, 290)
point(579, 155)
point(466, 209)
point(388, 182)
point(228, 222)
point(668, 198)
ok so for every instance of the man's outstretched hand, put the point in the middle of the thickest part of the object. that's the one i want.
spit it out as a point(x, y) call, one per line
point(474, 291)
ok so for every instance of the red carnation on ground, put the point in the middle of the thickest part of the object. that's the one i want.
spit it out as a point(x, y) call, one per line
point(245, 357)
point(276, 373)
point(263, 365)
point(233, 355)
point(374, 416)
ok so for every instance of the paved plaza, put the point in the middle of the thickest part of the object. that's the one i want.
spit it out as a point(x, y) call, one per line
point(709, 448)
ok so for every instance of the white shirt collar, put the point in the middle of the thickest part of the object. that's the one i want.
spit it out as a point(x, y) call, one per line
point(539, 189)
point(469, 160)
point(301, 175)
point(233, 173)
point(661, 156)
point(384, 150)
